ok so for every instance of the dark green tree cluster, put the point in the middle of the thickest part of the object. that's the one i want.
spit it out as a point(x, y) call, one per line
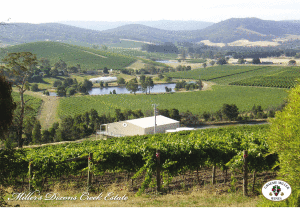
point(146, 83)
point(221, 61)
point(188, 86)
point(132, 86)
point(151, 69)
point(70, 86)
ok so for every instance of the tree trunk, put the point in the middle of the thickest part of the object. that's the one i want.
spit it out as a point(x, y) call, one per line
point(20, 127)
point(214, 175)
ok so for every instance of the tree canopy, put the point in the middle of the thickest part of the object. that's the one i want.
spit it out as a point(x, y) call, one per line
point(7, 105)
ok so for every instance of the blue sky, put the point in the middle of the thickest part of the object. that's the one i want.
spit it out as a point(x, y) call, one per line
point(37, 11)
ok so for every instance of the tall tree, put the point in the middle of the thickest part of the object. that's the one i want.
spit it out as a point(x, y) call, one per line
point(36, 133)
point(7, 105)
point(256, 61)
point(132, 85)
point(45, 63)
point(18, 67)
point(61, 65)
point(149, 83)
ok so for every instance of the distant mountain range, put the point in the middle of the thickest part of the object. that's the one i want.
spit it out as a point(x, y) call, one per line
point(252, 29)
point(160, 24)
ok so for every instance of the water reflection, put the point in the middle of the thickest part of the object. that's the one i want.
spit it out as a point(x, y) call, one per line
point(158, 88)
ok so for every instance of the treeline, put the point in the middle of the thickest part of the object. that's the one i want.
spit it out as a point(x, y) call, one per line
point(83, 125)
point(164, 48)
point(236, 52)
point(60, 68)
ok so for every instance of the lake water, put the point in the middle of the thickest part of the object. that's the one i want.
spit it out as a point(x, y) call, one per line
point(158, 88)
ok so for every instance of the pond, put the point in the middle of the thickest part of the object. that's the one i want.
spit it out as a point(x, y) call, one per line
point(158, 88)
point(167, 61)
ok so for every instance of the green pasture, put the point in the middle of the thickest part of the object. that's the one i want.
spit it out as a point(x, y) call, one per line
point(195, 102)
point(88, 58)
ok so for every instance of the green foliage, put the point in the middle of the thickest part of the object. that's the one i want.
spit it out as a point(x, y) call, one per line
point(36, 133)
point(61, 91)
point(132, 85)
point(35, 87)
point(180, 151)
point(256, 61)
point(120, 81)
point(7, 105)
point(284, 139)
point(221, 61)
point(57, 83)
point(241, 61)
point(230, 111)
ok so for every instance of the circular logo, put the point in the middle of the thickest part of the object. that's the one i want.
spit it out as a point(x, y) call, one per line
point(276, 190)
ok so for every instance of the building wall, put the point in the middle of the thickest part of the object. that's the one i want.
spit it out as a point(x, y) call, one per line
point(117, 128)
point(162, 128)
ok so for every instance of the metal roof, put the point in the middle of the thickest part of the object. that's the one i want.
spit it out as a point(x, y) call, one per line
point(149, 121)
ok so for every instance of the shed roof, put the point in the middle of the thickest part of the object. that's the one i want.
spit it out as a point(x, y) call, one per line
point(149, 121)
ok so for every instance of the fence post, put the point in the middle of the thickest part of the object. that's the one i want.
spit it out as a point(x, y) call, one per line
point(29, 173)
point(254, 177)
point(245, 178)
point(214, 175)
point(158, 170)
point(90, 159)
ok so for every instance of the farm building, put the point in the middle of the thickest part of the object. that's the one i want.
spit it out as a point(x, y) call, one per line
point(140, 126)
point(103, 79)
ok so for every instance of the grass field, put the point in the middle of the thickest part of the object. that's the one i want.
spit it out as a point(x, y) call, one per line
point(88, 58)
point(195, 102)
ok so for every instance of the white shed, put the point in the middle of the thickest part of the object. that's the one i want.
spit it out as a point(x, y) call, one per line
point(140, 126)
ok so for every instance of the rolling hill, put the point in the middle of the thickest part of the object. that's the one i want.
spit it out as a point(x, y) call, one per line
point(88, 58)
point(159, 24)
point(252, 29)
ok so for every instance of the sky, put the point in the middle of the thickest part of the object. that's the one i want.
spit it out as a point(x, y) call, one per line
point(37, 11)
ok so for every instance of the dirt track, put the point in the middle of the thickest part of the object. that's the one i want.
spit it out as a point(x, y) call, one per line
point(47, 113)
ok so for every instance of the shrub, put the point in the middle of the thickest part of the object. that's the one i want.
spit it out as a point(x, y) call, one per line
point(34, 88)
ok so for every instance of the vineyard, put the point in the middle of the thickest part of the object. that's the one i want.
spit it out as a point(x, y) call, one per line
point(179, 153)
point(267, 76)
point(285, 78)
point(88, 58)
point(212, 73)
point(196, 102)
